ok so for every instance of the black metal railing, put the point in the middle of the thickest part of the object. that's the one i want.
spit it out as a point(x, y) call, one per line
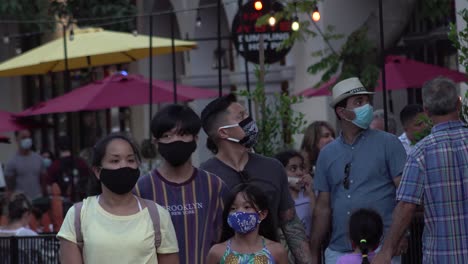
point(41, 249)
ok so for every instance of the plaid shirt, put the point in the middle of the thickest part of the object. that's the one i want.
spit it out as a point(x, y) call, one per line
point(436, 175)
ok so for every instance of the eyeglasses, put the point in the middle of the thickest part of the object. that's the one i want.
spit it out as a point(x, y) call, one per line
point(346, 178)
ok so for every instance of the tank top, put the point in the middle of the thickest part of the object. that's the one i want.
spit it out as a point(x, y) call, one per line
point(262, 256)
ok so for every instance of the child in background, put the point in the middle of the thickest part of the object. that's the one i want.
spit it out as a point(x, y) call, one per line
point(365, 231)
point(249, 232)
point(300, 185)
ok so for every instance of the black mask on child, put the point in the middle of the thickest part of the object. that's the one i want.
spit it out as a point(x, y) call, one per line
point(177, 152)
point(119, 181)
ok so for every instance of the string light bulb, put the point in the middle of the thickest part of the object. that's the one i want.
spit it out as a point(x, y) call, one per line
point(258, 5)
point(18, 51)
point(6, 39)
point(316, 14)
point(198, 23)
point(272, 20)
point(135, 32)
point(295, 24)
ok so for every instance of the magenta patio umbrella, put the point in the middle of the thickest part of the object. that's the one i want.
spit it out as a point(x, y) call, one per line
point(8, 123)
point(116, 91)
point(403, 73)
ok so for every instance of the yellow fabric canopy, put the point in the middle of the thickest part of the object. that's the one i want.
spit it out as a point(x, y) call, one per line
point(90, 47)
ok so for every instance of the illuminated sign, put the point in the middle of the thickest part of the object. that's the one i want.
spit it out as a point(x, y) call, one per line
point(246, 35)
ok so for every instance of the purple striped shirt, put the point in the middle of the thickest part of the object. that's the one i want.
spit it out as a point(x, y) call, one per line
point(196, 208)
point(436, 175)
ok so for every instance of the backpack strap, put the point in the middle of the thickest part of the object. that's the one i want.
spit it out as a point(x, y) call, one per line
point(154, 214)
point(78, 232)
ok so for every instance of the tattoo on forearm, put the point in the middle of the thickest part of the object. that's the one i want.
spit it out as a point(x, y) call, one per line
point(296, 237)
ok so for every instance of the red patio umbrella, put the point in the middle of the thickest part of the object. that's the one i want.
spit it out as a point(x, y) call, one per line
point(116, 91)
point(324, 89)
point(9, 123)
point(401, 73)
point(4, 139)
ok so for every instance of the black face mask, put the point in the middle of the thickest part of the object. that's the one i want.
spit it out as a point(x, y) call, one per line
point(120, 181)
point(177, 152)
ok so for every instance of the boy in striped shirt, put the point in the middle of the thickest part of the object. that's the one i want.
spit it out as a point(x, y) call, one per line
point(193, 197)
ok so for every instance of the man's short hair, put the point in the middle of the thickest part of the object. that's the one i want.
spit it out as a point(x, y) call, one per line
point(211, 115)
point(440, 96)
point(409, 112)
point(175, 116)
point(392, 123)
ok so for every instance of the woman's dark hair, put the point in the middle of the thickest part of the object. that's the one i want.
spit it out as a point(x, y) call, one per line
point(285, 156)
point(259, 201)
point(99, 151)
point(51, 154)
point(18, 205)
point(365, 231)
point(175, 116)
point(210, 117)
point(312, 136)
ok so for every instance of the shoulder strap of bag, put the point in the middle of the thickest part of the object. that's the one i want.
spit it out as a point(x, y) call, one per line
point(154, 214)
point(78, 233)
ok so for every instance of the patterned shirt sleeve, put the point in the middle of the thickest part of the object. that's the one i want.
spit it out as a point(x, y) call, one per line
point(411, 187)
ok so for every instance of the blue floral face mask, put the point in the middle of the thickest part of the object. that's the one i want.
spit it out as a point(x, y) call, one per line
point(243, 222)
point(364, 115)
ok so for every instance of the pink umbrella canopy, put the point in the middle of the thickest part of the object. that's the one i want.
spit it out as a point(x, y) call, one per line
point(401, 73)
point(8, 123)
point(116, 91)
point(324, 89)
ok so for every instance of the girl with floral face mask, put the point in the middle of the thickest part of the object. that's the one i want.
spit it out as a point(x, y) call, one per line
point(249, 232)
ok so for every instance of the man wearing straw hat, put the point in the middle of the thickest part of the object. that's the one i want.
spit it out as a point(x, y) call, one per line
point(359, 169)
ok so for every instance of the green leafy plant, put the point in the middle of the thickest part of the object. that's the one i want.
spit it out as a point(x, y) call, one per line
point(460, 40)
point(28, 10)
point(276, 119)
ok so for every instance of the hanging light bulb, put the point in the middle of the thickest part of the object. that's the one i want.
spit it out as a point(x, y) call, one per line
point(72, 35)
point(18, 51)
point(6, 39)
point(272, 19)
point(316, 14)
point(258, 5)
point(198, 23)
point(135, 32)
point(295, 24)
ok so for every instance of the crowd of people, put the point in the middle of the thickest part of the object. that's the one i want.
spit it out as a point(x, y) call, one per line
point(353, 193)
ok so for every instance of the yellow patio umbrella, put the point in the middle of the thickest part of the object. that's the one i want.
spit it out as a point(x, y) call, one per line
point(90, 47)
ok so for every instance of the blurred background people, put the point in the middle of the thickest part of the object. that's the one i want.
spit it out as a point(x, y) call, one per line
point(378, 122)
point(47, 158)
point(316, 136)
point(411, 118)
point(19, 214)
point(70, 172)
point(24, 172)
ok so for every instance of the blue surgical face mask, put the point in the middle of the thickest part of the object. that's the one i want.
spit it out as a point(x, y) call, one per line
point(243, 222)
point(26, 143)
point(47, 162)
point(364, 116)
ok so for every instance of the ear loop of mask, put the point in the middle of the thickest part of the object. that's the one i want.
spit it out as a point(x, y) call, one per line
point(230, 138)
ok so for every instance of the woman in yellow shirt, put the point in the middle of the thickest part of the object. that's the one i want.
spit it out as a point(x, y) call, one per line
point(114, 225)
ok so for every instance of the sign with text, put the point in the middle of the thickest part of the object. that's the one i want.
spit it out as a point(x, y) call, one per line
point(246, 35)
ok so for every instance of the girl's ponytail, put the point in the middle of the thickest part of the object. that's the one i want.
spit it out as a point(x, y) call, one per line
point(364, 248)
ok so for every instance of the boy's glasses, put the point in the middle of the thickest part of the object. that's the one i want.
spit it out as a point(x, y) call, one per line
point(346, 178)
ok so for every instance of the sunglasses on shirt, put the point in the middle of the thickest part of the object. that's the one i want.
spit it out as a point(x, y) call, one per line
point(346, 177)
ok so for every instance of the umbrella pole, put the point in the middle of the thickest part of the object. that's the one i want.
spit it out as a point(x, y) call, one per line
point(174, 80)
point(220, 78)
point(382, 65)
point(150, 72)
point(246, 63)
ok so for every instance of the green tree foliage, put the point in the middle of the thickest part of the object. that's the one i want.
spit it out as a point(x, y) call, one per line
point(87, 13)
point(460, 40)
point(276, 119)
point(27, 10)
